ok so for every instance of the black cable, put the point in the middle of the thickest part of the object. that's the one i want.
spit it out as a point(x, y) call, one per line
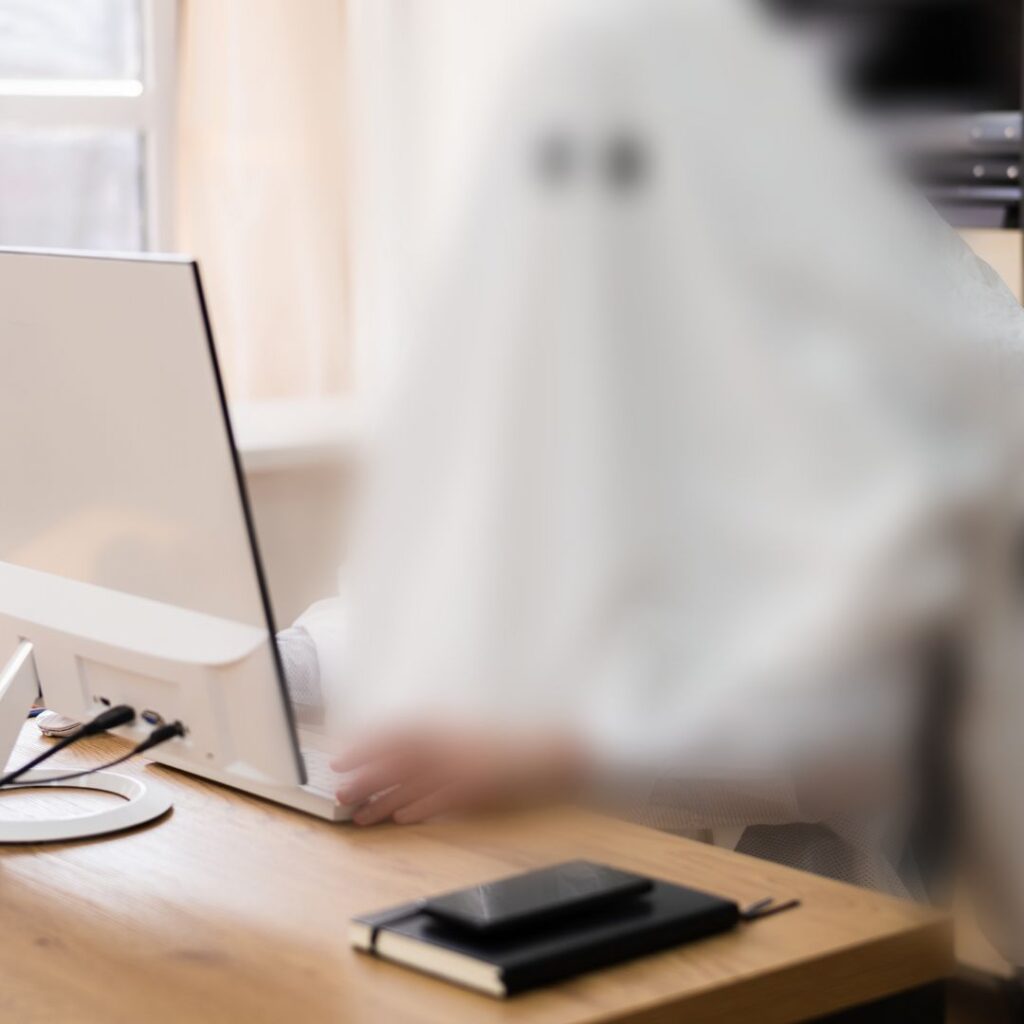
point(109, 719)
point(161, 734)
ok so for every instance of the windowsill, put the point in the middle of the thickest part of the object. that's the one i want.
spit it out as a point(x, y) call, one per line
point(289, 434)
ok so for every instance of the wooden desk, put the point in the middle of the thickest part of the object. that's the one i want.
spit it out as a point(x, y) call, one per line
point(232, 910)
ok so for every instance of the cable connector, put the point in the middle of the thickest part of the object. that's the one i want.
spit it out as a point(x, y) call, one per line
point(109, 719)
point(161, 734)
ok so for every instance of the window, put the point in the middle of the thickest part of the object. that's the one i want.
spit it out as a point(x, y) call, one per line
point(86, 121)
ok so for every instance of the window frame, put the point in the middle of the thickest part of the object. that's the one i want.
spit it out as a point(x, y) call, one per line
point(117, 104)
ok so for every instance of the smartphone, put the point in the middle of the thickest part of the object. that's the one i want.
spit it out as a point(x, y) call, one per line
point(537, 896)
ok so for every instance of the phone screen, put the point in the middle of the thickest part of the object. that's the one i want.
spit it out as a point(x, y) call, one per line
point(548, 893)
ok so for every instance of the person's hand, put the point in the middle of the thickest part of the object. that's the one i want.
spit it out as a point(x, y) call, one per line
point(416, 774)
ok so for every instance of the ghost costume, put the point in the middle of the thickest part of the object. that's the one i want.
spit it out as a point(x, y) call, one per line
point(683, 454)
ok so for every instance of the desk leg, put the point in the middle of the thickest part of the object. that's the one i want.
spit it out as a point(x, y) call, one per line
point(925, 1005)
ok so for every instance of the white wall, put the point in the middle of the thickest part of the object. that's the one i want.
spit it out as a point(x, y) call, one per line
point(299, 515)
point(300, 460)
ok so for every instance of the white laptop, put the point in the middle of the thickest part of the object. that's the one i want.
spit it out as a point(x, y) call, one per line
point(128, 553)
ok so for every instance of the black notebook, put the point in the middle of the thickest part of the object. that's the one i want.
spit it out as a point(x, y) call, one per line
point(503, 964)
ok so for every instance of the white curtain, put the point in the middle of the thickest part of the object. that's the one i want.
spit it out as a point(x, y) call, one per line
point(263, 188)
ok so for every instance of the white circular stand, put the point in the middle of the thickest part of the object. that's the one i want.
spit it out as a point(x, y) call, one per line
point(143, 801)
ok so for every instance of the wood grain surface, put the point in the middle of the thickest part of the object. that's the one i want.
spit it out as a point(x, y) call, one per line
point(231, 909)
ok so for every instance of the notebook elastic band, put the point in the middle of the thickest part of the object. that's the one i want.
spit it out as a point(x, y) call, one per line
point(766, 908)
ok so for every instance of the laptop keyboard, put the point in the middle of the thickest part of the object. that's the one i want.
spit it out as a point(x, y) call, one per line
point(319, 773)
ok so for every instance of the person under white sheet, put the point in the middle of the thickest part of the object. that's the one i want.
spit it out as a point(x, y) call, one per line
point(682, 475)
